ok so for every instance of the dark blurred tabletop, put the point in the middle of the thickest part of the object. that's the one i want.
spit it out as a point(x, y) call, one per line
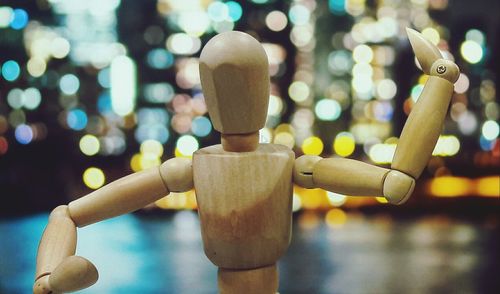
point(365, 254)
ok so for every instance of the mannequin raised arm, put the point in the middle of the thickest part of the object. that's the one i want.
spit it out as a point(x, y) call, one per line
point(415, 146)
point(58, 270)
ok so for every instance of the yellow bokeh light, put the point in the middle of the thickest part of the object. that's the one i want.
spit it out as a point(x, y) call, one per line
point(299, 91)
point(311, 198)
point(381, 200)
point(471, 51)
point(285, 139)
point(152, 147)
point(335, 218)
point(312, 146)
point(149, 160)
point(488, 186)
point(382, 153)
point(89, 145)
point(287, 128)
point(362, 54)
point(446, 146)
point(36, 66)
point(432, 35)
point(344, 144)
point(186, 200)
point(423, 79)
point(450, 186)
point(93, 177)
point(135, 162)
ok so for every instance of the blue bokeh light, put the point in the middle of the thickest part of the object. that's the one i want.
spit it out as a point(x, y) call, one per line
point(156, 132)
point(235, 10)
point(201, 126)
point(104, 103)
point(19, 19)
point(24, 134)
point(69, 84)
point(486, 145)
point(77, 119)
point(104, 78)
point(160, 59)
point(11, 70)
point(337, 6)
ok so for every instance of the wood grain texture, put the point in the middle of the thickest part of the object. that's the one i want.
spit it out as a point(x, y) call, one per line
point(424, 50)
point(73, 274)
point(240, 142)
point(234, 73)
point(261, 280)
point(245, 204)
point(177, 174)
point(122, 196)
point(58, 242)
point(350, 177)
point(422, 129)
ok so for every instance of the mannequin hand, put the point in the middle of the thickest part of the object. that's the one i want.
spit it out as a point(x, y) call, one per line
point(72, 274)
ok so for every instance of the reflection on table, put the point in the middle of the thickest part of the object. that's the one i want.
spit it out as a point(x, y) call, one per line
point(364, 254)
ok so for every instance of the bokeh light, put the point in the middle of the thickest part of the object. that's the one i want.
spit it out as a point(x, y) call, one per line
point(312, 146)
point(490, 130)
point(276, 21)
point(11, 70)
point(89, 145)
point(344, 144)
point(327, 109)
point(94, 177)
point(19, 19)
point(77, 119)
point(201, 126)
point(471, 51)
point(187, 145)
point(299, 91)
point(69, 84)
point(24, 134)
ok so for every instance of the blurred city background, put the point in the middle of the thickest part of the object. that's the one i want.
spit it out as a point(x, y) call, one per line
point(94, 90)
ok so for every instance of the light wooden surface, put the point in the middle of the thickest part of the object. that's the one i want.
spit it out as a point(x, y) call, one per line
point(234, 73)
point(177, 174)
point(261, 280)
point(398, 187)
point(350, 177)
point(422, 129)
point(73, 274)
point(303, 170)
point(58, 241)
point(425, 52)
point(240, 142)
point(244, 203)
point(119, 197)
point(425, 123)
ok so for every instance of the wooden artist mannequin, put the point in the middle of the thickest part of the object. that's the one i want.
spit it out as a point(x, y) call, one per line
point(243, 188)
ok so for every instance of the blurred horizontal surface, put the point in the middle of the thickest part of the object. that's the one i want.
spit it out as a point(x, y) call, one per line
point(366, 254)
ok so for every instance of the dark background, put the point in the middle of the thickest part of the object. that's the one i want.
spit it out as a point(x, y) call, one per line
point(443, 241)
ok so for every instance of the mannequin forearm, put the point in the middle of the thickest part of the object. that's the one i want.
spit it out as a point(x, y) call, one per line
point(352, 177)
point(61, 231)
point(119, 197)
point(132, 192)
